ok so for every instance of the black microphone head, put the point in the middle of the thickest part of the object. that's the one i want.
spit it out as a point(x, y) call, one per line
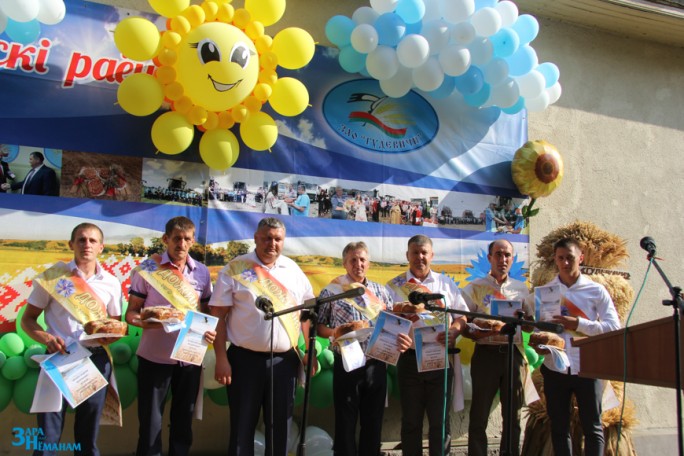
point(415, 297)
point(647, 243)
point(264, 304)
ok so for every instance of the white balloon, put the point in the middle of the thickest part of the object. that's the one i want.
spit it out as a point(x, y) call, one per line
point(487, 21)
point(364, 38)
point(467, 382)
point(508, 12)
point(539, 103)
point(463, 32)
point(51, 11)
point(384, 6)
point(293, 438)
point(495, 71)
point(432, 11)
point(3, 21)
point(455, 11)
point(481, 51)
point(317, 440)
point(20, 10)
point(259, 443)
point(365, 15)
point(413, 50)
point(398, 85)
point(531, 84)
point(437, 33)
point(209, 368)
point(455, 60)
point(382, 63)
point(506, 94)
point(429, 76)
point(554, 92)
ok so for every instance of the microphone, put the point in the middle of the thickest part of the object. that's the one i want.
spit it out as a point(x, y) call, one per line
point(264, 304)
point(416, 297)
point(647, 243)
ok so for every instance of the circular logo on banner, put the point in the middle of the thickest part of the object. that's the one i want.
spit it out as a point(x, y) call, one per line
point(360, 113)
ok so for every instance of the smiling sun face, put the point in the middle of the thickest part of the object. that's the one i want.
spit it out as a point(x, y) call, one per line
point(218, 66)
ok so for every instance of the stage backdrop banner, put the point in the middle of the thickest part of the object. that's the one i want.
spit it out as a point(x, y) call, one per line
point(415, 164)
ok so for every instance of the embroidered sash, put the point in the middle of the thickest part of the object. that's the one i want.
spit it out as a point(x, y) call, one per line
point(372, 305)
point(169, 282)
point(259, 281)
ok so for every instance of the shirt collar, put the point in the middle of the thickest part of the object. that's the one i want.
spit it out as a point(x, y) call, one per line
point(428, 278)
point(189, 262)
point(74, 268)
point(350, 280)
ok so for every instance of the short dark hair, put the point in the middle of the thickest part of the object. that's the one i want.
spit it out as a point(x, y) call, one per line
point(86, 226)
point(180, 223)
point(37, 155)
point(420, 239)
point(566, 243)
point(491, 245)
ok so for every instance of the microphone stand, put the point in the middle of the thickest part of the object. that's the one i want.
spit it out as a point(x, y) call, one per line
point(312, 307)
point(676, 302)
point(510, 328)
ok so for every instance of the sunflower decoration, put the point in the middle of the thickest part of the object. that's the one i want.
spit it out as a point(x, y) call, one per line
point(216, 67)
point(537, 170)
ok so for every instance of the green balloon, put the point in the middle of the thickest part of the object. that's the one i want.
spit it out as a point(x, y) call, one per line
point(14, 368)
point(539, 362)
point(299, 396)
point(324, 341)
point(133, 364)
point(25, 337)
point(390, 385)
point(531, 355)
point(321, 390)
point(24, 390)
point(11, 344)
point(327, 359)
point(133, 342)
point(127, 384)
point(3, 358)
point(219, 396)
point(6, 391)
point(121, 352)
point(35, 349)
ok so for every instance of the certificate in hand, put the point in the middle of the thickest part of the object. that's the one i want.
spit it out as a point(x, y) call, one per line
point(190, 345)
point(74, 374)
point(507, 308)
point(383, 341)
point(547, 302)
point(429, 352)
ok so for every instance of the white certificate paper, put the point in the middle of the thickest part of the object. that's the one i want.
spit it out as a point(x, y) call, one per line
point(507, 308)
point(74, 374)
point(547, 302)
point(383, 341)
point(429, 352)
point(190, 345)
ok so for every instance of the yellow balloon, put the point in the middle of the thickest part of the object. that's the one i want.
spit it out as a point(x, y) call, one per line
point(165, 74)
point(171, 133)
point(289, 97)
point(169, 8)
point(467, 347)
point(197, 115)
point(171, 39)
point(219, 149)
point(137, 38)
point(267, 12)
point(140, 94)
point(294, 47)
point(210, 10)
point(195, 15)
point(262, 91)
point(225, 13)
point(259, 131)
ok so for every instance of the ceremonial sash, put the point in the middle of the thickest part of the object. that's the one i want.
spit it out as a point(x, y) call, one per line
point(482, 296)
point(169, 282)
point(259, 281)
point(372, 304)
point(77, 297)
point(573, 311)
point(402, 286)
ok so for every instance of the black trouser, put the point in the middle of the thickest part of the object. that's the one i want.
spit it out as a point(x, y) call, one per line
point(87, 422)
point(250, 392)
point(558, 389)
point(422, 393)
point(154, 381)
point(359, 395)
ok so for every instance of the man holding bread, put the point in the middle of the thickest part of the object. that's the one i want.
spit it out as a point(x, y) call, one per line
point(489, 364)
point(358, 393)
point(165, 287)
point(246, 287)
point(423, 392)
point(62, 292)
point(586, 310)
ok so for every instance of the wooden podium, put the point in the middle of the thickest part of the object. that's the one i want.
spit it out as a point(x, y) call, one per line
point(650, 354)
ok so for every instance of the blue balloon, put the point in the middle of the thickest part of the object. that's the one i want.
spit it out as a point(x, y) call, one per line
point(352, 61)
point(505, 42)
point(414, 29)
point(391, 28)
point(479, 98)
point(410, 11)
point(516, 108)
point(470, 82)
point(550, 72)
point(23, 32)
point(479, 4)
point(338, 29)
point(526, 27)
point(446, 89)
point(524, 60)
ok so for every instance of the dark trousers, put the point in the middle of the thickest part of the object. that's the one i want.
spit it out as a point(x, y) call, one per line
point(87, 420)
point(422, 393)
point(489, 372)
point(359, 395)
point(250, 392)
point(558, 389)
point(154, 381)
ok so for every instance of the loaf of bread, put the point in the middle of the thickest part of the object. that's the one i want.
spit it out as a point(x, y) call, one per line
point(346, 328)
point(161, 313)
point(106, 326)
point(407, 308)
point(547, 338)
point(484, 323)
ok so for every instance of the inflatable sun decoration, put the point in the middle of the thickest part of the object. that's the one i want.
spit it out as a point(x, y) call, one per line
point(217, 68)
